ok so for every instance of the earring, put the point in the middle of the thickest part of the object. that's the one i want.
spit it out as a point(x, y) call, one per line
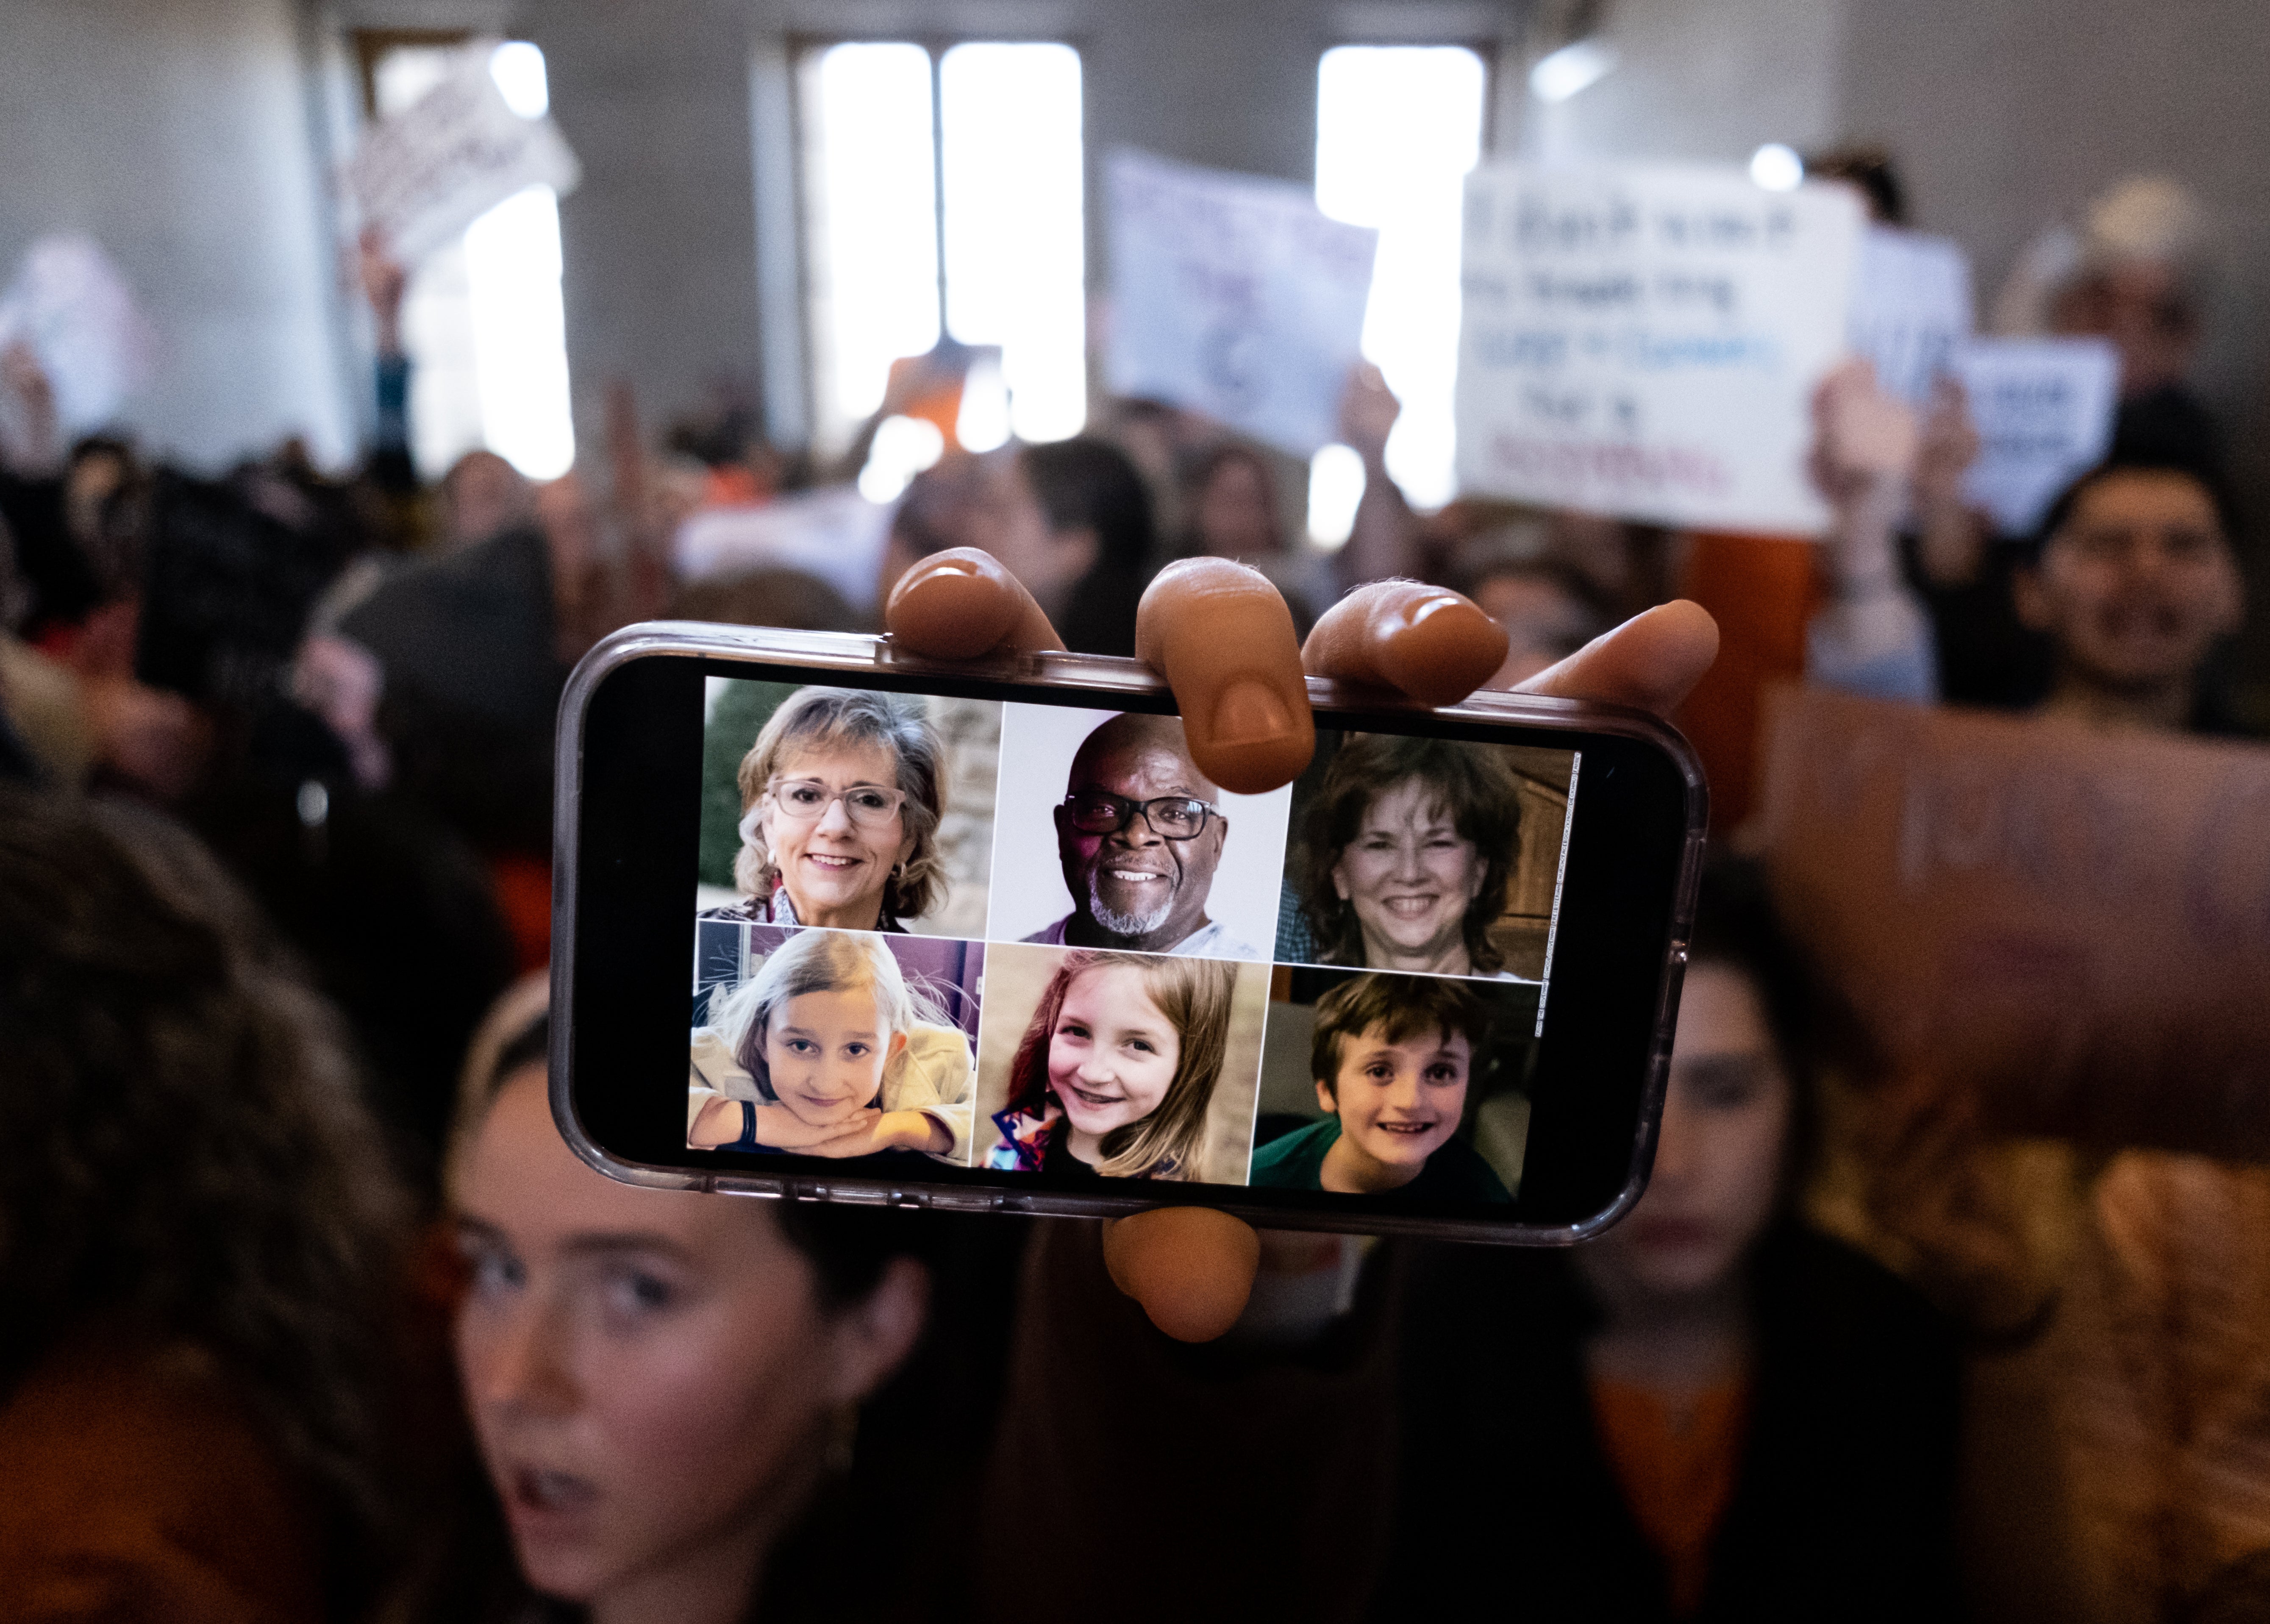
point(898, 870)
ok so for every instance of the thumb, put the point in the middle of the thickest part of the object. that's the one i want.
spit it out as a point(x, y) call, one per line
point(1190, 1267)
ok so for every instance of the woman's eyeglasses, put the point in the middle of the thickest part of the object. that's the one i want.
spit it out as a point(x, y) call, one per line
point(1173, 817)
point(806, 800)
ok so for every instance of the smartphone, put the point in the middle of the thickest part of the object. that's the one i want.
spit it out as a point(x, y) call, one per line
point(833, 922)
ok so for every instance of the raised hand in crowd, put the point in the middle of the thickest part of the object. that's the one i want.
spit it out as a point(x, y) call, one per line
point(1951, 533)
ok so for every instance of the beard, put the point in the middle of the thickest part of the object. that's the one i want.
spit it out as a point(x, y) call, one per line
point(1129, 925)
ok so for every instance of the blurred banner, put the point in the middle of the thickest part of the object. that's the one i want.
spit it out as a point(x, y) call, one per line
point(1236, 297)
point(1911, 308)
point(431, 170)
point(71, 307)
point(1643, 341)
point(2075, 924)
point(2045, 409)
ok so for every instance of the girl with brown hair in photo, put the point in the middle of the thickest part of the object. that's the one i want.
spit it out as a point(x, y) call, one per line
point(1117, 1068)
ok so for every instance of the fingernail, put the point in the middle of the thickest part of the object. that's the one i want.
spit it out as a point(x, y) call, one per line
point(1248, 713)
point(1408, 615)
point(930, 568)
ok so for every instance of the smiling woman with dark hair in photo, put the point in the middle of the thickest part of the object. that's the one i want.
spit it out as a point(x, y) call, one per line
point(1408, 854)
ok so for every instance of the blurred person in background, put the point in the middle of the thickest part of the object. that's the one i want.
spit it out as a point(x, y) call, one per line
point(1231, 508)
point(664, 1385)
point(198, 1240)
point(1071, 519)
point(1548, 607)
point(2138, 270)
point(1091, 553)
point(2133, 581)
point(1716, 1412)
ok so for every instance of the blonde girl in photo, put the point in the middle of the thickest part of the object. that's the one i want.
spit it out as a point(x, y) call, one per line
point(826, 1051)
point(1117, 1068)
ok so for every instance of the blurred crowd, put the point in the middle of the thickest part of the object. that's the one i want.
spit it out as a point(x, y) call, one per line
point(306, 1311)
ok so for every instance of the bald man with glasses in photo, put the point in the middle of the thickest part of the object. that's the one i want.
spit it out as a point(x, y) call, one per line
point(1140, 833)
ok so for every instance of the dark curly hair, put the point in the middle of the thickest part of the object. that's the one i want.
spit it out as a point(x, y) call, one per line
point(184, 1157)
point(1476, 788)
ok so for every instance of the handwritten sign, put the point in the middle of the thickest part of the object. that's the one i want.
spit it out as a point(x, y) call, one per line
point(2043, 408)
point(1643, 341)
point(70, 304)
point(2075, 925)
point(1233, 296)
point(1911, 308)
point(431, 170)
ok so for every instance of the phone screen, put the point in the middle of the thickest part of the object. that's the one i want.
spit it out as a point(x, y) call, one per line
point(1034, 942)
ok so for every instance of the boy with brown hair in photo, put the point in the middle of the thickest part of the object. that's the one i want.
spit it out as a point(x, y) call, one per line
point(1391, 1059)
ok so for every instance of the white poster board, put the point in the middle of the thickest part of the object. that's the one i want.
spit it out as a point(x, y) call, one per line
point(1233, 296)
point(1644, 340)
point(1911, 308)
point(431, 170)
point(70, 306)
point(2043, 408)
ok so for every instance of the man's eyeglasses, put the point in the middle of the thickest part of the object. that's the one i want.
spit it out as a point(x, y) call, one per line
point(1173, 817)
point(806, 800)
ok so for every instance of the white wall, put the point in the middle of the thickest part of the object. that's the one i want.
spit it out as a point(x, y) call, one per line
point(178, 133)
point(1703, 79)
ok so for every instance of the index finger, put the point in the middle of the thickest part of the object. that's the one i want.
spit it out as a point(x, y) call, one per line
point(961, 603)
point(1221, 636)
point(1653, 661)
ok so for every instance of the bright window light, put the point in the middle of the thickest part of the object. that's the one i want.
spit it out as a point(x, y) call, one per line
point(1776, 167)
point(520, 333)
point(873, 223)
point(1397, 127)
point(1010, 116)
point(1335, 488)
point(482, 319)
point(903, 447)
point(517, 67)
point(1577, 67)
point(983, 422)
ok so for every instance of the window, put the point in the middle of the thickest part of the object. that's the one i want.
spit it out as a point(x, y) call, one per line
point(943, 198)
point(482, 320)
point(1397, 127)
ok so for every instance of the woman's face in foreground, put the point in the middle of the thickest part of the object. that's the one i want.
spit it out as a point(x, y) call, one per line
point(834, 866)
point(649, 1372)
point(1718, 1160)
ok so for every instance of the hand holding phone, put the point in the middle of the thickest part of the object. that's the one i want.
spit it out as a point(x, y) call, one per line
point(1413, 1073)
point(1192, 1267)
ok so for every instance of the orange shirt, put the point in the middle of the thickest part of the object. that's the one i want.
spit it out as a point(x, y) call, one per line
point(1677, 1472)
point(1761, 591)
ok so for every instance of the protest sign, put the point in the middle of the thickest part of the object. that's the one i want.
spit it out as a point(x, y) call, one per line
point(2073, 923)
point(1233, 296)
point(1644, 341)
point(2043, 408)
point(74, 310)
point(1911, 308)
point(426, 173)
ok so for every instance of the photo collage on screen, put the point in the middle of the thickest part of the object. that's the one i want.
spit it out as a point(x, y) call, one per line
point(1037, 940)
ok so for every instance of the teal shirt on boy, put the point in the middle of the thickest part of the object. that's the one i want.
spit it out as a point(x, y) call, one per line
point(1455, 1173)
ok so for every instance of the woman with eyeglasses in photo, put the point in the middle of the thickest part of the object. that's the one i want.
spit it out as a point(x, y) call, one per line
point(841, 800)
